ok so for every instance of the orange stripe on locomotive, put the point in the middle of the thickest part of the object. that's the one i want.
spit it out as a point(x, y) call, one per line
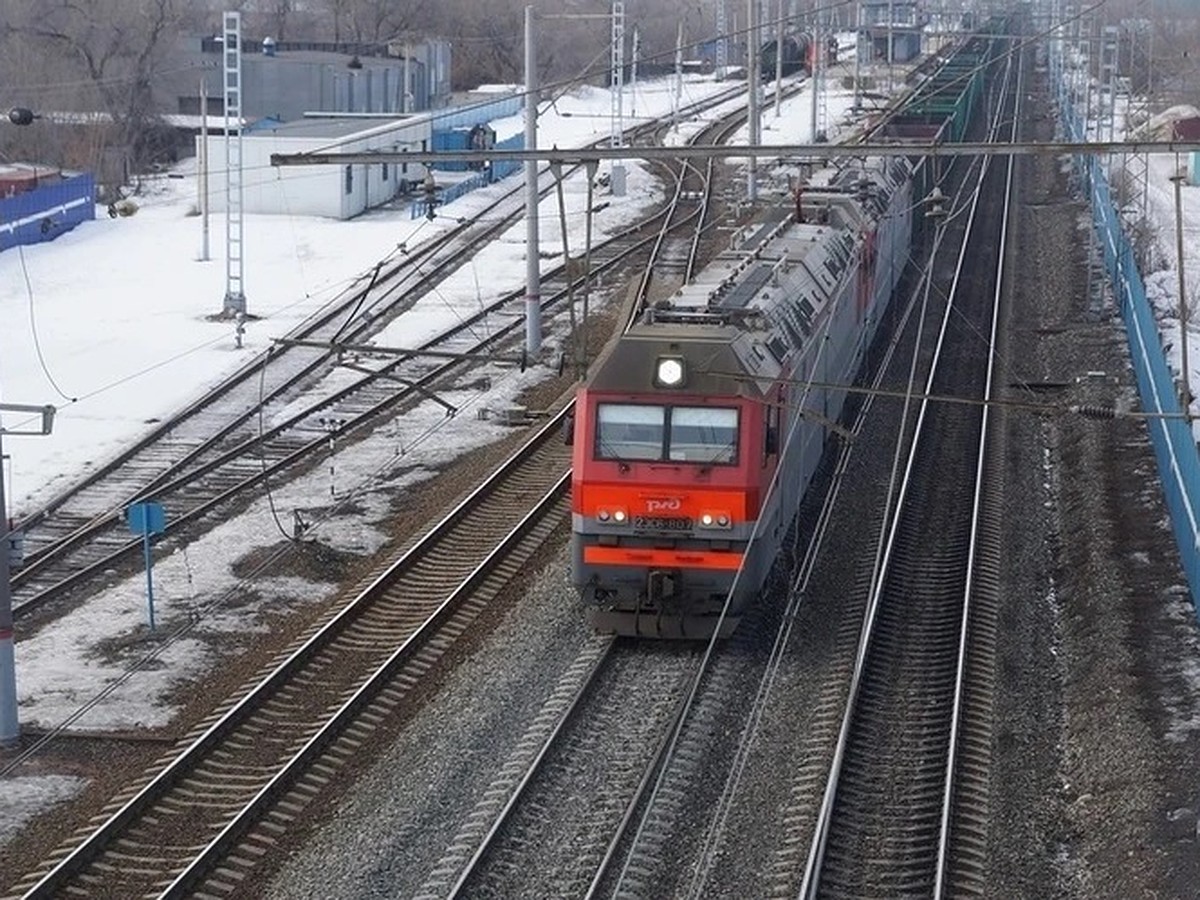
point(662, 559)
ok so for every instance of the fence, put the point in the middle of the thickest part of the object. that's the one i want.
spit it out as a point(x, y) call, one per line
point(46, 212)
point(1170, 434)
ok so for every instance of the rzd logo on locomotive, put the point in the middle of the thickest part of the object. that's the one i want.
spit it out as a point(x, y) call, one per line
point(667, 504)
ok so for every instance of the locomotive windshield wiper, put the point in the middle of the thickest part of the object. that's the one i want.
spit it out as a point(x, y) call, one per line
point(607, 451)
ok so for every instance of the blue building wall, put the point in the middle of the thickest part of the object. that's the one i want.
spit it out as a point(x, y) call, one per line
point(46, 212)
point(494, 172)
point(451, 129)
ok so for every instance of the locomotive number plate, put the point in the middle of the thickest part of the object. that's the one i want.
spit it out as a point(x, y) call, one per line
point(662, 523)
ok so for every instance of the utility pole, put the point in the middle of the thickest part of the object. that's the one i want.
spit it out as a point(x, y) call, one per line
point(858, 27)
point(814, 81)
point(203, 186)
point(891, 31)
point(406, 94)
point(678, 77)
point(533, 278)
point(590, 167)
point(753, 82)
point(1185, 390)
point(633, 72)
point(722, 60)
point(779, 63)
point(10, 725)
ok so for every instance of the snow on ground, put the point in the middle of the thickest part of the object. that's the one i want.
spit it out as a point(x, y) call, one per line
point(25, 797)
point(1162, 281)
point(112, 324)
point(1144, 183)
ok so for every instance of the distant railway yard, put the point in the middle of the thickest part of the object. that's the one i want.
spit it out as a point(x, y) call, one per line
point(948, 679)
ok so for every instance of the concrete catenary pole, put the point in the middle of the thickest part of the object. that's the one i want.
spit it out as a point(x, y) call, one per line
point(753, 81)
point(1185, 387)
point(10, 727)
point(858, 52)
point(204, 255)
point(779, 62)
point(533, 281)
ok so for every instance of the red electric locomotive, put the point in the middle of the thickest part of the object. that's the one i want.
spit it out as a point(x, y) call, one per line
point(699, 430)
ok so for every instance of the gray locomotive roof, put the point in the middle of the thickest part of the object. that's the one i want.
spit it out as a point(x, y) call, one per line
point(761, 299)
point(709, 354)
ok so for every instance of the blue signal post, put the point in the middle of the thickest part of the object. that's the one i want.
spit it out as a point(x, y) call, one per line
point(147, 519)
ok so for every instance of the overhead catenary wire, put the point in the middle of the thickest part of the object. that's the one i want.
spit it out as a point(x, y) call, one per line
point(1086, 410)
point(33, 328)
point(208, 343)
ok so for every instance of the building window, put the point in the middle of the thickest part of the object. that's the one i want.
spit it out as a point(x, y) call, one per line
point(349, 179)
point(385, 171)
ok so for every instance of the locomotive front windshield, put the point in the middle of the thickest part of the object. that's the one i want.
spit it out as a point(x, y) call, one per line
point(635, 431)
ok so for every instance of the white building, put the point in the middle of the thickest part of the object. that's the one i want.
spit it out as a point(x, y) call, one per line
point(336, 191)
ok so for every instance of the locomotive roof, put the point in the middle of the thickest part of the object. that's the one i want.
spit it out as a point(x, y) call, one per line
point(709, 354)
point(759, 301)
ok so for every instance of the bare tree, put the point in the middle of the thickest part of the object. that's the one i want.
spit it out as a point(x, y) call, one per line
point(339, 14)
point(488, 38)
point(376, 21)
point(277, 17)
point(115, 47)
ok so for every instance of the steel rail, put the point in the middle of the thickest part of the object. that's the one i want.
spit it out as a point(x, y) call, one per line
point(758, 151)
point(390, 283)
point(985, 417)
point(811, 881)
point(474, 864)
point(60, 876)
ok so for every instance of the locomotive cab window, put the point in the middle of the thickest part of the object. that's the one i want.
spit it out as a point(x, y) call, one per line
point(629, 431)
point(697, 434)
point(703, 434)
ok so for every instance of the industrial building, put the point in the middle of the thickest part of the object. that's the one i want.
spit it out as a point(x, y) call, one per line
point(343, 191)
point(285, 80)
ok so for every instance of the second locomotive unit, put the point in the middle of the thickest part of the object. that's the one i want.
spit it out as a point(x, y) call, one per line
point(700, 429)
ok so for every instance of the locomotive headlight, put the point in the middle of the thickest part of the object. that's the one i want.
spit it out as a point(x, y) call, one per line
point(707, 520)
point(669, 371)
point(714, 520)
point(619, 516)
point(603, 515)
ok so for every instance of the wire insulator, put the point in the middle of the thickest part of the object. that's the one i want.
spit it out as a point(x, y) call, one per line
point(1091, 411)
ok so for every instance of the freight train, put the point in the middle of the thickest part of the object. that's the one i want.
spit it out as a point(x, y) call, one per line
point(796, 56)
point(701, 427)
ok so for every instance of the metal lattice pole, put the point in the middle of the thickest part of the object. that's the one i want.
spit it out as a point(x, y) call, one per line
point(235, 297)
point(616, 95)
point(722, 61)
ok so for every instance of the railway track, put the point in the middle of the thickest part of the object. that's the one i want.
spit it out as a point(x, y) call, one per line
point(255, 766)
point(219, 447)
point(560, 810)
point(539, 822)
point(907, 791)
point(557, 802)
point(200, 822)
point(685, 837)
